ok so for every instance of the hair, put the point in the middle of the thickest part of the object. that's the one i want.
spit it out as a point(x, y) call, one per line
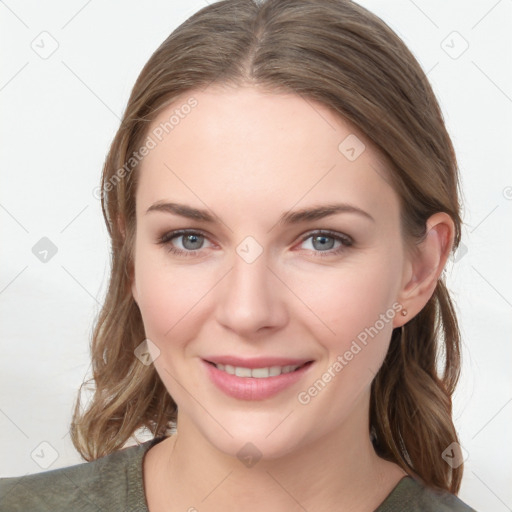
point(336, 53)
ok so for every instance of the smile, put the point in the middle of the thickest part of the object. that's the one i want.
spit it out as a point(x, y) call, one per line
point(257, 373)
point(257, 379)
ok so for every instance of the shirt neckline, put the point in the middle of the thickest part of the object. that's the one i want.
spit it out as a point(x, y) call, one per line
point(137, 496)
point(137, 500)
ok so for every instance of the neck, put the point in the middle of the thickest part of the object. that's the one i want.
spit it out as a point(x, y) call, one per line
point(338, 471)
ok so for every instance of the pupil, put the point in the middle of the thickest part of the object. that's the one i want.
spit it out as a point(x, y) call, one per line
point(194, 239)
point(323, 244)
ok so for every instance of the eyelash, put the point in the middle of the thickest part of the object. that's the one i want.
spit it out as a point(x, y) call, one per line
point(346, 241)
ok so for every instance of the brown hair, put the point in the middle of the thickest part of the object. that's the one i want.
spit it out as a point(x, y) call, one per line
point(337, 53)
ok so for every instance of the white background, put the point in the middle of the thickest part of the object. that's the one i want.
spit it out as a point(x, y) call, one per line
point(59, 115)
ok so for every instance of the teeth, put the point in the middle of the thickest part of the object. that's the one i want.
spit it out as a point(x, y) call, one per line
point(257, 373)
point(274, 371)
point(242, 372)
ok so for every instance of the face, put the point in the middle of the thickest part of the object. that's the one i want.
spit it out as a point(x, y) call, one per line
point(232, 275)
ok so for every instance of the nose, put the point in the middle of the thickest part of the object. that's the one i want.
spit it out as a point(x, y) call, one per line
point(251, 300)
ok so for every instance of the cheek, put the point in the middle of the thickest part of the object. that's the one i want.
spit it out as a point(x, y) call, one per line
point(356, 309)
point(167, 299)
point(348, 300)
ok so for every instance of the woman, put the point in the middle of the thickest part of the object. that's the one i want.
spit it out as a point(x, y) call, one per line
point(282, 199)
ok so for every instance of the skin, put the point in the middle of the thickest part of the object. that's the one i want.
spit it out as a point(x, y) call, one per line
point(247, 156)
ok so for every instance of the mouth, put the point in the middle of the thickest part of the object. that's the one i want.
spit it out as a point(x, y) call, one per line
point(258, 373)
point(255, 379)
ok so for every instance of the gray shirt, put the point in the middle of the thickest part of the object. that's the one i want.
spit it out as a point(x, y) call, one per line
point(114, 483)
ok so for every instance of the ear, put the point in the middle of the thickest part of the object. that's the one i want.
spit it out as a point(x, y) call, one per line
point(424, 265)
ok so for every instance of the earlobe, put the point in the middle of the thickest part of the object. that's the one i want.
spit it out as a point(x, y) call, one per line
point(425, 265)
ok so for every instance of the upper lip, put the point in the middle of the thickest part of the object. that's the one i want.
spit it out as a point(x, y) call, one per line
point(256, 362)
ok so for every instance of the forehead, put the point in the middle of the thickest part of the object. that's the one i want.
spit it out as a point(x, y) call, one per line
point(249, 148)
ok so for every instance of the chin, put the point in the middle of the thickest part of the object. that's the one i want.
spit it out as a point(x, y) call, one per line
point(257, 434)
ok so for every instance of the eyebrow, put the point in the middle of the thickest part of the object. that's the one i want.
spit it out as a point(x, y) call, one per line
point(290, 217)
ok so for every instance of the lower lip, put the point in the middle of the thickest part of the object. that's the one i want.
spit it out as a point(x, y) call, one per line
point(251, 388)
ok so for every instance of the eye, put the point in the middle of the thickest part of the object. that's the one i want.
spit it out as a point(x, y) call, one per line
point(327, 243)
point(322, 243)
point(191, 242)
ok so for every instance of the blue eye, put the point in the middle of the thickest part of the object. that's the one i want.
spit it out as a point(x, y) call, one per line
point(323, 243)
point(190, 240)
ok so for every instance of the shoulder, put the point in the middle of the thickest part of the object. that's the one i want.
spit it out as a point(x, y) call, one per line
point(410, 495)
point(113, 482)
